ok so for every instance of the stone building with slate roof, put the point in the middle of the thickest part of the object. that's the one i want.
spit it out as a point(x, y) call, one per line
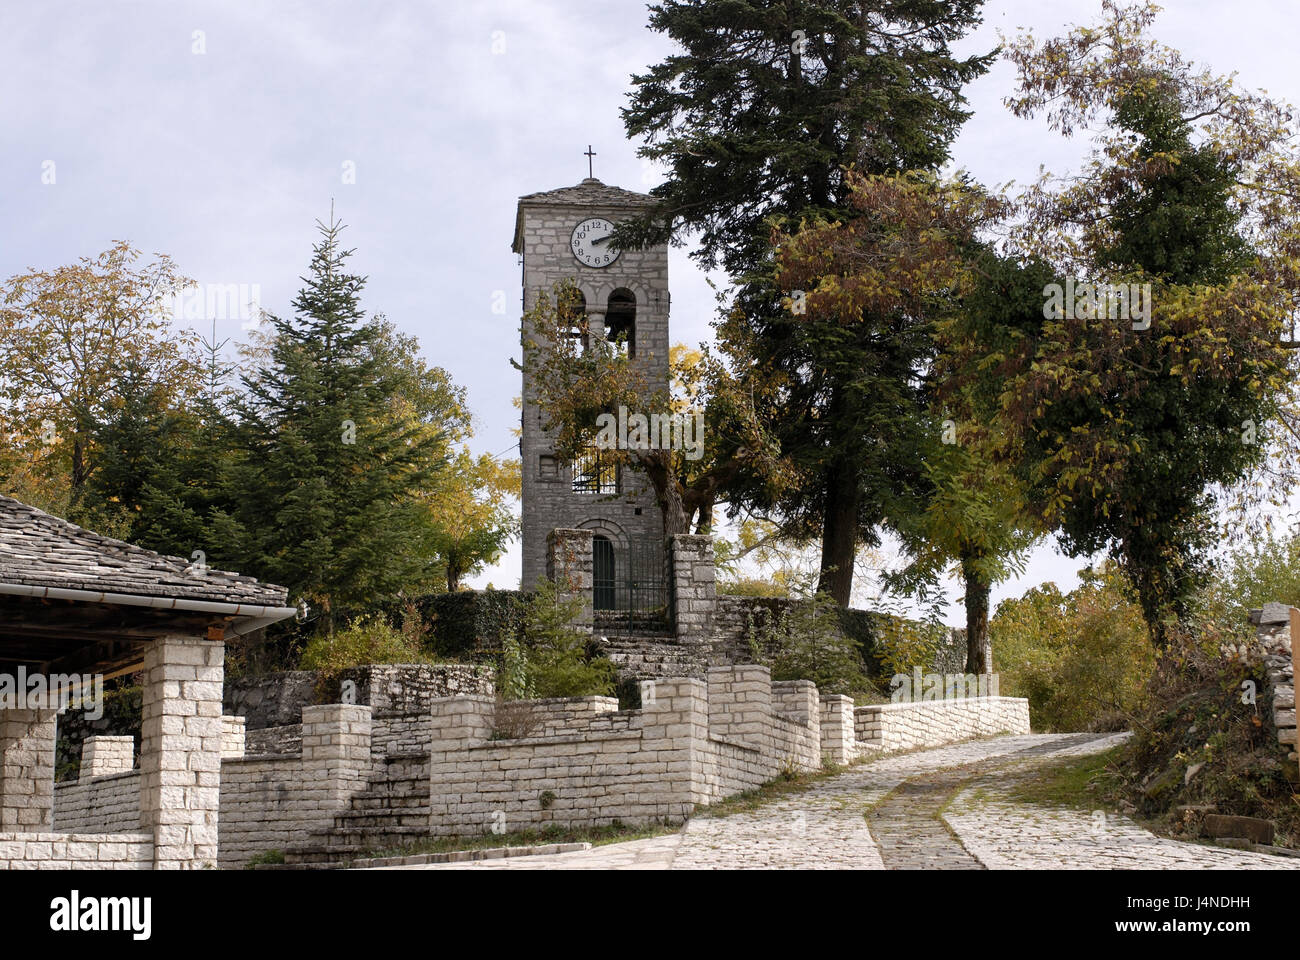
point(74, 604)
point(561, 235)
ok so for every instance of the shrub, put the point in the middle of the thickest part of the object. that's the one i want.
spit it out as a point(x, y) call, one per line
point(367, 639)
point(805, 640)
point(1201, 741)
point(471, 622)
point(1081, 659)
point(554, 658)
point(901, 644)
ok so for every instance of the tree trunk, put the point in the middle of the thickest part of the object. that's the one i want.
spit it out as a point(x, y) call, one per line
point(839, 532)
point(658, 469)
point(977, 618)
point(704, 523)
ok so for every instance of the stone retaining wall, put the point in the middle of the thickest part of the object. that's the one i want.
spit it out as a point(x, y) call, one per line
point(692, 742)
point(108, 804)
point(277, 699)
point(574, 762)
point(60, 851)
point(1273, 634)
point(932, 723)
point(270, 803)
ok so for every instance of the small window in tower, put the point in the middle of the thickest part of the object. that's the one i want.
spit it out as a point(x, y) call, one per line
point(620, 321)
point(548, 468)
point(595, 471)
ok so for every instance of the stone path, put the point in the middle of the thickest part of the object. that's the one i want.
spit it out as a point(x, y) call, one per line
point(946, 808)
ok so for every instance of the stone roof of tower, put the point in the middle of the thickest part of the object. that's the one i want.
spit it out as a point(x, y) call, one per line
point(41, 550)
point(589, 193)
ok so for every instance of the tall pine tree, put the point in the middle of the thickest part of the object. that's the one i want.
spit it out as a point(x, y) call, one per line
point(328, 493)
point(759, 117)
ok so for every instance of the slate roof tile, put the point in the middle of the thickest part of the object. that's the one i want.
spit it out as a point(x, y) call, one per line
point(41, 550)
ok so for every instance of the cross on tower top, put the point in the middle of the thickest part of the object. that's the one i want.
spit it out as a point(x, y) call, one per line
point(589, 154)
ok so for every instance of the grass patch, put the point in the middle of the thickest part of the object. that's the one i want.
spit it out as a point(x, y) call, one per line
point(1089, 782)
point(787, 783)
point(596, 836)
point(266, 857)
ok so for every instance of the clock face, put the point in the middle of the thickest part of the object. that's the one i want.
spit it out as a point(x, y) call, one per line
point(590, 243)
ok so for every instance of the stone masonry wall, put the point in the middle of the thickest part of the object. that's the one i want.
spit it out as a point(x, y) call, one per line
point(277, 699)
point(109, 804)
point(61, 851)
point(691, 743)
point(1273, 635)
point(266, 802)
point(270, 803)
point(932, 723)
point(694, 594)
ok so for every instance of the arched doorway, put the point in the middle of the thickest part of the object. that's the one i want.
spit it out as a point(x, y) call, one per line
point(602, 557)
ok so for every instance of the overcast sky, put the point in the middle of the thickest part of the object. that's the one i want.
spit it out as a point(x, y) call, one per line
point(219, 132)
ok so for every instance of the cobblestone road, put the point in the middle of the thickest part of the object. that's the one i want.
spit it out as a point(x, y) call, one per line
point(946, 808)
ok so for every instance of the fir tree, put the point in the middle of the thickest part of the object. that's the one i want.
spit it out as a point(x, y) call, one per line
point(328, 496)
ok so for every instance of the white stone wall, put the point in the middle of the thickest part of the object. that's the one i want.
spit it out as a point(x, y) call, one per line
point(932, 723)
point(271, 803)
point(838, 739)
point(692, 743)
point(61, 851)
point(105, 756)
point(180, 750)
point(26, 770)
point(583, 763)
point(108, 804)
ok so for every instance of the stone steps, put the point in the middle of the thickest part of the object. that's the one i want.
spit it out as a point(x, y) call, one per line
point(393, 810)
point(338, 847)
point(651, 658)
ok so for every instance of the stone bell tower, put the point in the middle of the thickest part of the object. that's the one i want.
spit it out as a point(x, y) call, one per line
point(560, 234)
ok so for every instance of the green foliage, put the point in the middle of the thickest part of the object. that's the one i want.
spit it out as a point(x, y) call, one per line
point(470, 623)
point(554, 658)
point(1123, 434)
point(1197, 743)
point(902, 644)
point(156, 445)
point(275, 857)
point(756, 131)
point(367, 639)
point(331, 463)
point(1258, 572)
point(731, 111)
point(1081, 659)
point(803, 640)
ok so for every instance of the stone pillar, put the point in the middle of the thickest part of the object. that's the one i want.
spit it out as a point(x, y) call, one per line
point(691, 577)
point(1274, 638)
point(797, 700)
point(740, 705)
point(336, 752)
point(105, 756)
point(570, 567)
point(27, 771)
point(180, 750)
point(674, 732)
point(233, 736)
point(457, 723)
point(839, 743)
